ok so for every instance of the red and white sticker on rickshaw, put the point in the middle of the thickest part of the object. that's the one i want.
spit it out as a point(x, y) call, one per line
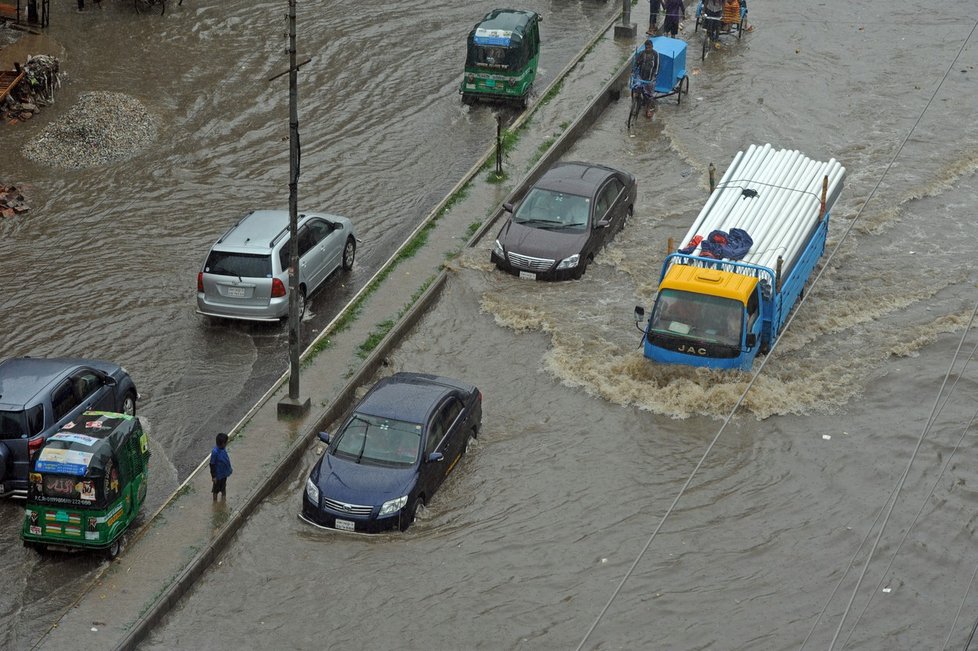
point(76, 438)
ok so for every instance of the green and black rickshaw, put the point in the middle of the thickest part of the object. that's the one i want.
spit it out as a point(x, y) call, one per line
point(87, 484)
point(502, 54)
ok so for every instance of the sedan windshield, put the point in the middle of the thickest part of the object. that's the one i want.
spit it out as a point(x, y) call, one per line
point(378, 441)
point(553, 210)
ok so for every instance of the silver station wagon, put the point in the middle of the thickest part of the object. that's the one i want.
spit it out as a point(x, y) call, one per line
point(246, 273)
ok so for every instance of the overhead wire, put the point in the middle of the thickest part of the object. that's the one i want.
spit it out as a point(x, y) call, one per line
point(804, 297)
point(900, 484)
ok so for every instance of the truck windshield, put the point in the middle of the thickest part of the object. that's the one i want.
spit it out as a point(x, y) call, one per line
point(698, 316)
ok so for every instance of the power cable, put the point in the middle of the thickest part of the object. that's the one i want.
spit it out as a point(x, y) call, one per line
point(900, 484)
point(923, 503)
point(760, 368)
point(893, 492)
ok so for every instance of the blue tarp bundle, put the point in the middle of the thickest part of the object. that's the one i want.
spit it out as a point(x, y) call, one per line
point(718, 244)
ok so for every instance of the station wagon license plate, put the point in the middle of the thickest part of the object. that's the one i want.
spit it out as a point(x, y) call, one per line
point(527, 275)
point(344, 525)
point(236, 292)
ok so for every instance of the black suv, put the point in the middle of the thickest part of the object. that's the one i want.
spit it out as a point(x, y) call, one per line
point(38, 396)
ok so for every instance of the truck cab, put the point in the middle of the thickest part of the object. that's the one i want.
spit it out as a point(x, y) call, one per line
point(705, 316)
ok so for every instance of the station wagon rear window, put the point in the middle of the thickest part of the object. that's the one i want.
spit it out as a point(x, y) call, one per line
point(242, 265)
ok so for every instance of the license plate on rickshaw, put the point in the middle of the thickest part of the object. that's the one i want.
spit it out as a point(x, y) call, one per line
point(527, 275)
point(344, 525)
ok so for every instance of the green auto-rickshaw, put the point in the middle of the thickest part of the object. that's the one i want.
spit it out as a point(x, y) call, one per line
point(501, 58)
point(87, 484)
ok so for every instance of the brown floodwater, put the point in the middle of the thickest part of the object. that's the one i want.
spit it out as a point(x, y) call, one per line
point(586, 445)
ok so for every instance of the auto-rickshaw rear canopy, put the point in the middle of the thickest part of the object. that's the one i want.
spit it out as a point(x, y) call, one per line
point(503, 37)
point(85, 447)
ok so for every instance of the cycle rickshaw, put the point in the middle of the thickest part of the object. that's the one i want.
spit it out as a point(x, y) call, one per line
point(670, 80)
point(733, 20)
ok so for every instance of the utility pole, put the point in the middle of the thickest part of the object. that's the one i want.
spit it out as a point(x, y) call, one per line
point(293, 405)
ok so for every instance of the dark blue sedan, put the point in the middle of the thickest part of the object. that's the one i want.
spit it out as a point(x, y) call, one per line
point(392, 453)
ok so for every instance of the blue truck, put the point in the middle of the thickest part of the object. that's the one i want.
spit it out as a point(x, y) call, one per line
point(727, 293)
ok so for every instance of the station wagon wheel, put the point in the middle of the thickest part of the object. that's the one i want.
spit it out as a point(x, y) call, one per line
point(129, 404)
point(349, 253)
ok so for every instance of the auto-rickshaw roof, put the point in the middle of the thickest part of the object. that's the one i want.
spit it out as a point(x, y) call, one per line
point(502, 27)
point(85, 445)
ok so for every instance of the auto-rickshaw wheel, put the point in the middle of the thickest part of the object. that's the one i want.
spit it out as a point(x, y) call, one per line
point(114, 548)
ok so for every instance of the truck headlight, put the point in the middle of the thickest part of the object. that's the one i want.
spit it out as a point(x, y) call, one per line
point(312, 491)
point(391, 507)
point(570, 263)
point(497, 248)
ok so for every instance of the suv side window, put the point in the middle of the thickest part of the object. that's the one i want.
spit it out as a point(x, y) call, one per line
point(85, 383)
point(63, 400)
point(320, 230)
point(306, 240)
point(35, 420)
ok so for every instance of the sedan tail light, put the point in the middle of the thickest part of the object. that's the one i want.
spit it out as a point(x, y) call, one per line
point(200, 281)
point(278, 288)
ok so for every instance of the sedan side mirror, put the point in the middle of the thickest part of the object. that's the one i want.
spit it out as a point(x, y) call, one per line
point(435, 457)
point(604, 223)
point(324, 437)
point(508, 207)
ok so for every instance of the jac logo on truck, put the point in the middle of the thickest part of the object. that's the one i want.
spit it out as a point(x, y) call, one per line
point(690, 349)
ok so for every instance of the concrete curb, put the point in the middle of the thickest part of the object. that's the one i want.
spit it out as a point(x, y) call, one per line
point(346, 398)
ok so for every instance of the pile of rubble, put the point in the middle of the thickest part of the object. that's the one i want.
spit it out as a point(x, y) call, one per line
point(102, 127)
point(12, 202)
point(35, 90)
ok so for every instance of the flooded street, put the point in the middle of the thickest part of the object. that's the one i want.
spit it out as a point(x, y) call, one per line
point(104, 265)
point(585, 444)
